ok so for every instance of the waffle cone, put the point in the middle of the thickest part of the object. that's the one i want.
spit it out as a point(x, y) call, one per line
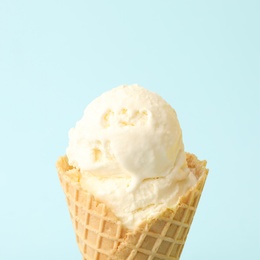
point(101, 236)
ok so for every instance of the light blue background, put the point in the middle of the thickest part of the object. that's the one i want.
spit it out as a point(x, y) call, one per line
point(56, 56)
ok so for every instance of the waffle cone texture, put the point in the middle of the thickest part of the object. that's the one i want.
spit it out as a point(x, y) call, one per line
point(101, 235)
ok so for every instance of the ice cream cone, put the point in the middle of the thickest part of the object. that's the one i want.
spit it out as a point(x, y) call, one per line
point(100, 234)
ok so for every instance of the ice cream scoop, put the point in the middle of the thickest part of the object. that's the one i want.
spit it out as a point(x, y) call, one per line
point(127, 132)
point(129, 145)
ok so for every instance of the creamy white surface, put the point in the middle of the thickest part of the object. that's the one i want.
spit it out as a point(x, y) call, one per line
point(128, 147)
point(147, 201)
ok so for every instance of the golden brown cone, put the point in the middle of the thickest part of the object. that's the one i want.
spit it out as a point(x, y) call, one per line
point(101, 236)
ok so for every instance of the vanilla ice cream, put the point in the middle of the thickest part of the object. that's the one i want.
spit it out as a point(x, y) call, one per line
point(128, 148)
